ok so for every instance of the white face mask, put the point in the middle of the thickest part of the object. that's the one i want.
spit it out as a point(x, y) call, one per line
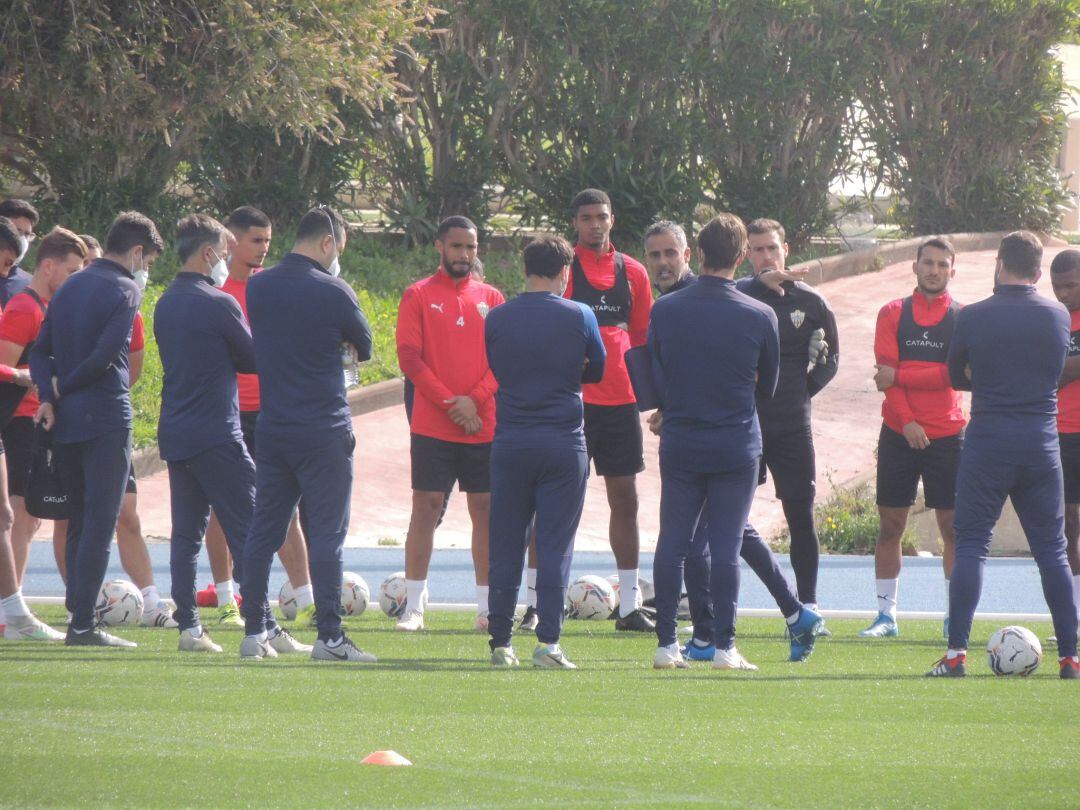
point(219, 272)
point(142, 275)
point(24, 246)
point(335, 268)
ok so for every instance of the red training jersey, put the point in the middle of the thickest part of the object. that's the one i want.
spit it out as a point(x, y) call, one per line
point(138, 334)
point(441, 349)
point(922, 391)
point(247, 384)
point(20, 325)
point(1069, 396)
point(615, 388)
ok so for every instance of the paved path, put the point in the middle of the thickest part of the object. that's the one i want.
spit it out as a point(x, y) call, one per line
point(846, 424)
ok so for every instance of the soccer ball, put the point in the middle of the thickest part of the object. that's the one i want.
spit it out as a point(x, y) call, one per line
point(286, 601)
point(119, 603)
point(590, 597)
point(613, 581)
point(1014, 651)
point(648, 592)
point(354, 594)
point(392, 595)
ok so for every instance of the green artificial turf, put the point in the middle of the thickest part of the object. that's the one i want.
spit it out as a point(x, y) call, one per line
point(856, 726)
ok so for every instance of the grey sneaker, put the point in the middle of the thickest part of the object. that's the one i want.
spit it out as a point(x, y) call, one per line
point(283, 643)
point(256, 650)
point(95, 638)
point(201, 643)
point(344, 651)
point(551, 656)
point(504, 657)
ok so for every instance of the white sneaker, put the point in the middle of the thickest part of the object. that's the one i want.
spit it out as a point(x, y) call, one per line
point(411, 622)
point(31, 629)
point(481, 625)
point(504, 657)
point(200, 643)
point(343, 652)
point(551, 656)
point(669, 658)
point(731, 659)
point(283, 643)
point(160, 616)
point(256, 650)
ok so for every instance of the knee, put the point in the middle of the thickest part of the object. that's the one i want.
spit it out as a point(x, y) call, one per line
point(427, 506)
point(1072, 525)
point(129, 523)
point(623, 498)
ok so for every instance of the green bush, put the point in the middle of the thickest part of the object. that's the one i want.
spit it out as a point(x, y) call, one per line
point(848, 523)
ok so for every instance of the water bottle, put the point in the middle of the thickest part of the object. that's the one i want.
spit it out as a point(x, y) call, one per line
point(349, 369)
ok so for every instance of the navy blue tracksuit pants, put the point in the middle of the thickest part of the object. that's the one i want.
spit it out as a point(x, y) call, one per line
point(550, 482)
point(222, 477)
point(757, 554)
point(984, 480)
point(322, 475)
point(94, 473)
point(722, 500)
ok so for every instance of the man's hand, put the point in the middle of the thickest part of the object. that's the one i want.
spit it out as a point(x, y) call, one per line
point(354, 356)
point(885, 377)
point(462, 410)
point(45, 416)
point(655, 422)
point(967, 372)
point(22, 377)
point(473, 425)
point(773, 279)
point(916, 436)
point(819, 347)
point(56, 387)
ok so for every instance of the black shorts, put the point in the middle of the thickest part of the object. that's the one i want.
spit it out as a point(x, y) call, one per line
point(247, 427)
point(789, 457)
point(18, 438)
point(1070, 465)
point(437, 464)
point(899, 468)
point(613, 438)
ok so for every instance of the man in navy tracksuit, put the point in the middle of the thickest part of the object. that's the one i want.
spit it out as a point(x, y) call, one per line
point(79, 364)
point(541, 348)
point(204, 341)
point(667, 255)
point(1009, 350)
point(302, 317)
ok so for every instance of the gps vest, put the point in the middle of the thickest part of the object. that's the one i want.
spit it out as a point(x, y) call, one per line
point(611, 307)
point(927, 344)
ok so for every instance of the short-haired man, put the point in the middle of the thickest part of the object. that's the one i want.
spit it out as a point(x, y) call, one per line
point(667, 255)
point(1065, 276)
point(440, 345)
point(923, 420)
point(302, 316)
point(541, 348)
point(79, 364)
point(25, 218)
point(787, 439)
point(251, 233)
point(1009, 350)
point(616, 287)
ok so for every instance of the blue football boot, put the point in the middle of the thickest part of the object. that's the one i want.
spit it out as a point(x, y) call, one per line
point(883, 626)
point(804, 633)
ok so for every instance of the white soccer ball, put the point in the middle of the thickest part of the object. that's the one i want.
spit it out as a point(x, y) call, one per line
point(119, 603)
point(613, 580)
point(392, 595)
point(354, 594)
point(590, 597)
point(1014, 651)
point(286, 601)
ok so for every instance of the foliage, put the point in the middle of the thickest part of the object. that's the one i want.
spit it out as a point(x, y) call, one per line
point(848, 522)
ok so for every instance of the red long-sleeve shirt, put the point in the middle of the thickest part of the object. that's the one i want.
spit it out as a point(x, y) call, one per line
point(247, 385)
point(922, 391)
point(615, 388)
point(440, 345)
point(1069, 396)
point(20, 325)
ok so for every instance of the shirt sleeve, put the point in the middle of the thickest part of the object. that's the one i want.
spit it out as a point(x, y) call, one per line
point(924, 378)
point(595, 353)
point(641, 305)
point(238, 337)
point(768, 359)
point(112, 342)
point(138, 334)
point(18, 326)
point(356, 328)
point(488, 385)
point(42, 367)
point(822, 373)
point(887, 353)
point(959, 355)
point(659, 378)
point(410, 349)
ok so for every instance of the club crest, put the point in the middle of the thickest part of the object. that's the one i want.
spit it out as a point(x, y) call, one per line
point(483, 309)
point(797, 318)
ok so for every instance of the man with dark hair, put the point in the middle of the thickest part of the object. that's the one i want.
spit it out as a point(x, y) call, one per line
point(923, 421)
point(541, 348)
point(24, 217)
point(440, 344)
point(1065, 276)
point(79, 364)
point(617, 289)
point(302, 316)
point(803, 315)
point(1009, 350)
point(713, 351)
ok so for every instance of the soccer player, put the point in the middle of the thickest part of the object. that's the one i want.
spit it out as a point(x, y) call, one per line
point(251, 232)
point(541, 348)
point(787, 439)
point(25, 218)
point(1009, 351)
point(79, 364)
point(667, 256)
point(1065, 276)
point(617, 289)
point(302, 316)
point(440, 344)
point(923, 421)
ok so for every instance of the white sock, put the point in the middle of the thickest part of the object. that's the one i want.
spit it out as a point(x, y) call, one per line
point(530, 591)
point(335, 642)
point(415, 591)
point(947, 597)
point(482, 600)
point(886, 596)
point(224, 593)
point(196, 631)
point(811, 605)
point(304, 596)
point(955, 654)
point(794, 617)
point(671, 648)
point(260, 637)
point(151, 597)
point(1076, 593)
point(628, 587)
point(14, 607)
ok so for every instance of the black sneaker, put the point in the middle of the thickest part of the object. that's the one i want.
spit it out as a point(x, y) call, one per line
point(636, 622)
point(530, 619)
point(946, 667)
point(95, 638)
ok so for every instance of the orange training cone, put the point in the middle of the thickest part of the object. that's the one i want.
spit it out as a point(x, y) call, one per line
point(385, 758)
